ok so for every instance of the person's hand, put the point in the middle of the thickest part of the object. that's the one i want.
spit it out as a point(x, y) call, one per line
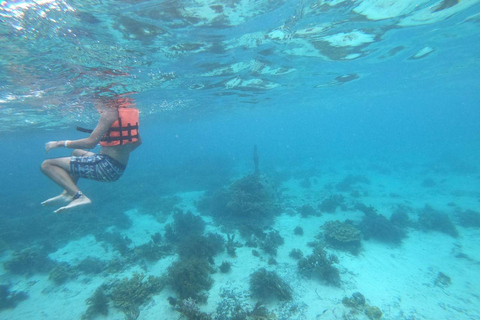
point(51, 145)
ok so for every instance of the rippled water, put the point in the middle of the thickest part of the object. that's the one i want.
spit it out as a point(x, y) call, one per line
point(204, 56)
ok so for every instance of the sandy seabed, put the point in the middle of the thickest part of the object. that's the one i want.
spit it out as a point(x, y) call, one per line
point(398, 279)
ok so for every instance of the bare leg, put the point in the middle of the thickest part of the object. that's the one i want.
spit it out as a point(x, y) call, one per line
point(58, 170)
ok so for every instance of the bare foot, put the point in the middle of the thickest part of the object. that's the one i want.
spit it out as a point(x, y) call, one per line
point(80, 201)
point(64, 196)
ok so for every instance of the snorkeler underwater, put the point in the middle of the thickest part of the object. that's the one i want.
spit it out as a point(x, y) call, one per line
point(219, 160)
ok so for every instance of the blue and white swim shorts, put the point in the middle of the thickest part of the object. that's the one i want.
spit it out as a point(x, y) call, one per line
point(99, 167)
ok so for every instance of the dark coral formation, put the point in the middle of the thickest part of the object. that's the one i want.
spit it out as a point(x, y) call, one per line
point(298, 231)
point(400, 217)
point(61, 273)
point(469, 218)
point(296, 254)
point(189, 309)
point(199, 246)
point(131, 293)
point(190, 278)
point(343, 236)
point(267, 284)
point(9, 299)
point(430, 219)
point(248, 204)
point(442, 280)
point(183, 226)
point(271, 242)
point(377, 226)
point(357, 303)
point(97, 305)
point(320, 265)
point(307, 210)
point(347, 184)
point(29, 261)
point(331, 203)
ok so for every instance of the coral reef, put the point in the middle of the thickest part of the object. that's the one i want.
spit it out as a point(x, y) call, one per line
point(9, 299)
point(331, 203)
point(400, 217)
point(91, 265)
point(151, 251)
point(298, 231)
point(342, 235)
point(231, 245)
point(29, 261)
point(267, 284)
point(235, 306)
point(377, 226)
point(431, 219)
point(349, 181)
point(61, 273)
point(201, 246)
point(357, 301)
point(190, 278)
point(97, 305)
point(271, 242)
point(357, 304)
point(468, 218)
point(248, 203)
point(184, 225)
point(119, 242)
point(320, 265)
point(373, 313)
point(307, 210)
point(296, 254)
point(189, 309)
point(225, 267)
point(135, 291)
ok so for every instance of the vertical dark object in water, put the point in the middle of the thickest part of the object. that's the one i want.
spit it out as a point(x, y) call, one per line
point(255, 160)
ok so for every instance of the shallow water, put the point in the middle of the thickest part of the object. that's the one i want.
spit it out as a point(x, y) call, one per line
point(371, 102)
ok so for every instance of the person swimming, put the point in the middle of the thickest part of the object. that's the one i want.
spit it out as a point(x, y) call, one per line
point(117, 132)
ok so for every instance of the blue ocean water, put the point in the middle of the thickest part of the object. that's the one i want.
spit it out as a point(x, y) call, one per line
point(381, 92)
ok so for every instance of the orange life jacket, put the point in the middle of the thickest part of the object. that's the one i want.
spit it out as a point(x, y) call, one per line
point(124, 130)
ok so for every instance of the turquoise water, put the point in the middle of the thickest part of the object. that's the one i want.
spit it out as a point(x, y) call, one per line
point(381, 96)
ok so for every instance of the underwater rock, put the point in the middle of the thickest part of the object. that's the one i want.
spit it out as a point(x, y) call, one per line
point(343, 236)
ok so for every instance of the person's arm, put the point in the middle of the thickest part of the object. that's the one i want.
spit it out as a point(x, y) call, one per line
point(107, 117)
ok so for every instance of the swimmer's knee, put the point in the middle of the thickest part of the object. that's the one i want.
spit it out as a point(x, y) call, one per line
point(78, 152)
point(45, 165)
